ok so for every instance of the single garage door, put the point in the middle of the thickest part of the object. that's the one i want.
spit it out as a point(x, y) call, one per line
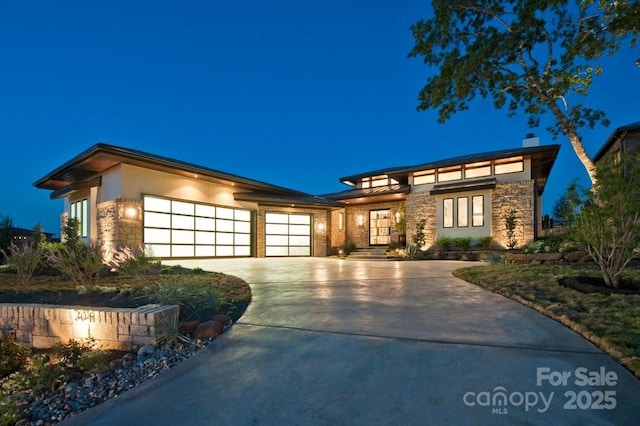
point(288, 234)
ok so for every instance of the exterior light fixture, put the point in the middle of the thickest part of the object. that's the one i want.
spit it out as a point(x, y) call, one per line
point(360, 219)
point(320, 227)
point(398, 217)
point(130, 212)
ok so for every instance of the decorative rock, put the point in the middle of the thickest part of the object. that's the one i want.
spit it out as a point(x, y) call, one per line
point(224, 319)
point(209, 330)
point(187, 327)
point(129, 357)
point(145, 352)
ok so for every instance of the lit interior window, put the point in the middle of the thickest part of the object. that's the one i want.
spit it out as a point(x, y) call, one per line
point(428, 176)
point(447, 213)
point(463, 212)
point(477, 210)
point(446, 174)
point(479, 169)
point(509, 165)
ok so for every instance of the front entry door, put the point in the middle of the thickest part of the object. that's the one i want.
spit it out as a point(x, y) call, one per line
point(380, 227)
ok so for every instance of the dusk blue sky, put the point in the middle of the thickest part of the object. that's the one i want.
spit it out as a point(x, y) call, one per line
point(293, 93)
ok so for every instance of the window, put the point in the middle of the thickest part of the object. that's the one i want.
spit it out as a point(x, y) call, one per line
point(477, 210)
point(463, 212)
point(428, 176)
point(79, 210)
point(479, 169)
point(447, 213)
point(509, 165)
point(341, 221)
point(446, 174)
point(376, 181)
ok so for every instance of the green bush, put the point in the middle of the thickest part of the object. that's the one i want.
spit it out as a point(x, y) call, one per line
point(445, 243)
point(463, 243)
point(13, 355)
point(347, 248)
point(82, 264)
point(26, 259)
point(194, 298)
point(130, 261)
point(484, 242)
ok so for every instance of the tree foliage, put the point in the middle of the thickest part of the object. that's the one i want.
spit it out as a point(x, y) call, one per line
point(609, 222)
point(526, 55)
point(568, 205)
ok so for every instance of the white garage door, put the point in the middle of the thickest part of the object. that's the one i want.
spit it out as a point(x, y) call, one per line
point(175, 228)
point(288, 234)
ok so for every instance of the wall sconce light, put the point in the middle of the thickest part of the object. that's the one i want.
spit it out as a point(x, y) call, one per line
point(398, 217)
point(360, 219)
point(320, 227)
point(130, 212)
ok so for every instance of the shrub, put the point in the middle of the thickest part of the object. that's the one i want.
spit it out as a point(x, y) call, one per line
point(26, 259)
point(419, 239)
point(463, 243)
point(445, 243)
point(484, 242)
point(510, 223)
point(130, 261)
point(13, 355)
point(194, 298)
point(82, 264)
point(348, 247)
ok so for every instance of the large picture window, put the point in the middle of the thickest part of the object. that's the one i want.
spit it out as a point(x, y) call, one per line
point(175, 228)
point(79, 210)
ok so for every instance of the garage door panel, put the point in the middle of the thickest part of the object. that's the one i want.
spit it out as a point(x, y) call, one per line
point(287, 234)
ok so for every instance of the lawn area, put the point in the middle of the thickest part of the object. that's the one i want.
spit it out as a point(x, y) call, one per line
point(612, 322)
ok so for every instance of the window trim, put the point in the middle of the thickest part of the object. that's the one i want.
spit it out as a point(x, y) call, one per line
point(465, 223)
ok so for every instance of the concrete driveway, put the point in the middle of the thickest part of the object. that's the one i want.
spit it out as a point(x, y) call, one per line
point(328, 342)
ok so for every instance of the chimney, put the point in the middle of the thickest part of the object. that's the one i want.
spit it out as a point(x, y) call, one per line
point(530, 140)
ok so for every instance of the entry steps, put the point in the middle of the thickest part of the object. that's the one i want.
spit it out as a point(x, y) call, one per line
point(369, 253)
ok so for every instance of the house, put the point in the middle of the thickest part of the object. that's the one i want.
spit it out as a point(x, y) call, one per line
point(623, 139)
point(124, 197)
point(464, 197)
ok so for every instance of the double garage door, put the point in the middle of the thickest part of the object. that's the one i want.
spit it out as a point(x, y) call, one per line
point(175, 228)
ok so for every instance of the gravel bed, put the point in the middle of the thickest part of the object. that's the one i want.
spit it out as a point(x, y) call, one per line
point(41, 406)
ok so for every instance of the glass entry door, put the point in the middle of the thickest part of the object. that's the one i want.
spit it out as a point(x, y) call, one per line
point(379, 227)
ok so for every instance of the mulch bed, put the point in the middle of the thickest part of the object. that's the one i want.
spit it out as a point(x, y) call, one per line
point(597, 285)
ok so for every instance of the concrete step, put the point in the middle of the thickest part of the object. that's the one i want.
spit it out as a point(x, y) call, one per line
point(370, 253)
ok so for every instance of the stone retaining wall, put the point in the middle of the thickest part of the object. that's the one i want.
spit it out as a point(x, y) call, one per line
point(44, 326)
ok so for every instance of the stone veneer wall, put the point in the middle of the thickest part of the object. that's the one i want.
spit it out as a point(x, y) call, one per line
point(320, 239)
point(44, 326)
point(519, 195)
point(421, 205)
point(359, 235)
point(115, 228)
